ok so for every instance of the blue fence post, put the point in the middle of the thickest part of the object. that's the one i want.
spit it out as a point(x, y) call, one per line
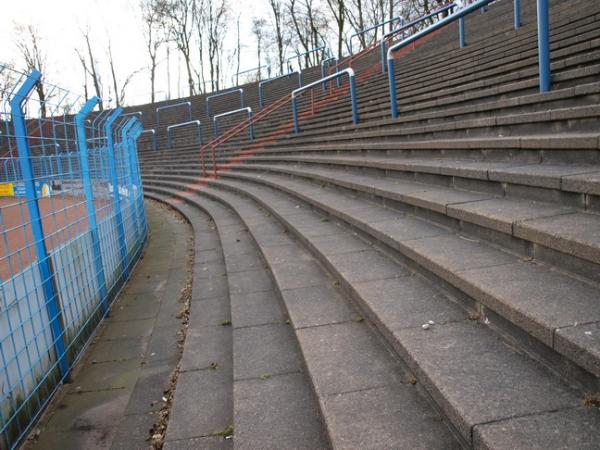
point(355, 119)
point(114, 176)
point(89, 198)
point(126, 145)
point(517, 13)
point(136, 133)
point(43, 259)
point(295, 114)
point(461, 32)
point(544, 45)
point(392, 86)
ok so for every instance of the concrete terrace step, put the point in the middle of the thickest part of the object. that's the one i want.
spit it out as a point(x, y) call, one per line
point(250, 350)
point(531, 297)
point(478, 381)
point(564, 229)
point(364, 396)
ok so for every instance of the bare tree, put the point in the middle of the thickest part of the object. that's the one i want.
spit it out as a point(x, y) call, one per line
point(154, 37)
point(258, 26)
point(178, 19)
point(92, 70)
point(214, 21)
point(310, 25)
point(278, 24)
point(356, 17)
point(238, 52)
point(338, 11)
point(119, 92)
point(29, 44)
point(83, 62)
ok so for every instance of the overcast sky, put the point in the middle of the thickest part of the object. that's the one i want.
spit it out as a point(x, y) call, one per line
point(60, 23)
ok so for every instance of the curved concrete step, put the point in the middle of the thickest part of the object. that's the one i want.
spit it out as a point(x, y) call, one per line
point(472, 375)
point(367, 399)
point(272, 402)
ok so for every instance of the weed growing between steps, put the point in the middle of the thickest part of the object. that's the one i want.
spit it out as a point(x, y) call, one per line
point(158, 430)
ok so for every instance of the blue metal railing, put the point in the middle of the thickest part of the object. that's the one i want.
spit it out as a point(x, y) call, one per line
point(262, 84)
point(246, 110)
point(332, 77)
point(457, 15)
point(72, 225)
point(176, 105)
point(243, 72)
point(222, 94)
point(322, 49)
point(170, 128)
point(403, 28)
point(381, 25)
point(152, 131)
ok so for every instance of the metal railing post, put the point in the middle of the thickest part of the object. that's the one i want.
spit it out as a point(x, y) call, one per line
point(89, 198)
point(210, 97)
point(461, 32)
point(341, 73)
point(37, 229)
point(153, 132)
point(126, 144)
point(544, 45)
point(112, 163)
point(247, 110)
point(170, 128)
point(517, 14)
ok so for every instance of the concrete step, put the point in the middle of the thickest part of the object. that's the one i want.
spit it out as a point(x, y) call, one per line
point(273, 406)
point(472, 375)
point(529, 304)
point(366, 398)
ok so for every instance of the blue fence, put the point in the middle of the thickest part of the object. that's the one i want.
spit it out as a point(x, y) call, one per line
point(72, 225)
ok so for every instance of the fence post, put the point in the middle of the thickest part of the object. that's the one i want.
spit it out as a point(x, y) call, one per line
point(461, 32)
point(135, 134)
point(544, 45)
point(517, 13)
point(126, 145)
point(89, 198)
point(114, 176)
point(43, 262)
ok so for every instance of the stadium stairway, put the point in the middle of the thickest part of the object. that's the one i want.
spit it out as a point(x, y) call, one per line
point(425, 282)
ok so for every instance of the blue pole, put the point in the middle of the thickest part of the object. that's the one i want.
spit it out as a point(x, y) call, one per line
point(295, 114)
point(392, 85)
point(517, 12)
point(544, 45)
point(89, 198)
point(127, 161)
point(108, 131)
point(461, 32)
point(355, 119)
point(251, 129)
point(43, 260)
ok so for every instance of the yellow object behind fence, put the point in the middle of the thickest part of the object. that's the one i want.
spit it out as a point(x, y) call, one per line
point(7, 190)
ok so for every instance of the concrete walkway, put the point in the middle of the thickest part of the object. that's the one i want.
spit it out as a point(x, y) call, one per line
point(117, 389)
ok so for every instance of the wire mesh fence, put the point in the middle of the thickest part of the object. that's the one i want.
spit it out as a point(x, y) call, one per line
point(72, 225)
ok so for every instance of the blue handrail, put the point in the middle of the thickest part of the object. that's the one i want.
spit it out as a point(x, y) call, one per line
point(398, 19)
point(326, 64)
point(543, 20)
point(184, 124)
point(300, 55)
point(408, 26)
point(334, 76)
point(261, 101)
point(162, 108)
point(153, 131)
point(237, 74)
point(430, 29)
point(247, 110)
point(221, 94)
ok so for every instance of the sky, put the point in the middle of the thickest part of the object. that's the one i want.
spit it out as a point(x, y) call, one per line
point(60, 24)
